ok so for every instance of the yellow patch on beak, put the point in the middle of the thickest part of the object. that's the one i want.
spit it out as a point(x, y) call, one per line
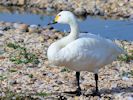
point(56, 18)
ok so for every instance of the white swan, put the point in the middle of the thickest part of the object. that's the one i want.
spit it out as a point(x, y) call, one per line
point(81, 52)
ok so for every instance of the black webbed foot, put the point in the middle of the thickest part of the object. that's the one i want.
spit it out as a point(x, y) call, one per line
point(96, 93)
point(77, 92)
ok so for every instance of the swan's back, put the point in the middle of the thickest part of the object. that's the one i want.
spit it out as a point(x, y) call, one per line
point(103, 40)
point(87, 53)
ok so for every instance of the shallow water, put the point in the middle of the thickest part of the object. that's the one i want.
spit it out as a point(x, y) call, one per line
point(110, 28)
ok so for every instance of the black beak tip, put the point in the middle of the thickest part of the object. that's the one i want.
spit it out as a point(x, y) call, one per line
point(53, 22)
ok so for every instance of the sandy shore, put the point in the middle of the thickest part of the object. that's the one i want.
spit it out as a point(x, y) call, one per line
point(36, 79)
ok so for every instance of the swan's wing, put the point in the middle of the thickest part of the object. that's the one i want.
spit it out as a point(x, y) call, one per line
point(84, 51)
point(108, 41)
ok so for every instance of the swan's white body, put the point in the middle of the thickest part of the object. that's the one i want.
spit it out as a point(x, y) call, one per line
point(84, 52)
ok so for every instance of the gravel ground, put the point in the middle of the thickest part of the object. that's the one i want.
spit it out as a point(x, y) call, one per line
point(110, 8)
point(35, 79)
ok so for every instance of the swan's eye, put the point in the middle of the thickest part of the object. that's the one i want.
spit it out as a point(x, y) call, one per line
point(59, 15)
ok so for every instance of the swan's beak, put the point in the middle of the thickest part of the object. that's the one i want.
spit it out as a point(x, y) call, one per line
point(54, 21)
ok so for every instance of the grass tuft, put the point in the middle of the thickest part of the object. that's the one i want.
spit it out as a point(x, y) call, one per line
point(126, 58)
point(65, 70)
point(43, 94)
point(22, 55)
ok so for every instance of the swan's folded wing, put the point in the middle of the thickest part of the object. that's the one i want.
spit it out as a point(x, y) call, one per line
point(80, 52)
point(113, 46)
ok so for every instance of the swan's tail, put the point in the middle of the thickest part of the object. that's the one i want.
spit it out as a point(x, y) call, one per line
point(120, 47)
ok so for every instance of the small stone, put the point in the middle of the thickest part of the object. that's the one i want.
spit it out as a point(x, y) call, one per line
point(23, 27)
point(60, 36)
point(2, 28)
point(2, 58)
point(3, 94)
point(41, 38)
point(49, 9)
point(46, 37)
point(56, 88)
point(33, 26)
point(21, 2)
point(16, 25)
point(50, 41)
point(56, 33)
point(80, 11)
point(125, 78)
point(1, 33)
point(53, 36)
point(12, 82)
point(33, 29)
point(121, 4)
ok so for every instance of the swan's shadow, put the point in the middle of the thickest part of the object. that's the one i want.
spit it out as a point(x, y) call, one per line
point(111, 91)
point(102, 91)
point(117, 90)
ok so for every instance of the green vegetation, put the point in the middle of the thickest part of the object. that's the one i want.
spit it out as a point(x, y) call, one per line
point(30, 75)
point(9, 95)
point(12, 70)
point(22, 56)
point(43, 94)
point(65, 70)
point(2, 77)
point(131, 51)
point(125, 58)
point(127, 73)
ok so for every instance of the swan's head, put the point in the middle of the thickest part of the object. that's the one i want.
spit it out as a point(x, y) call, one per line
point(65, 17)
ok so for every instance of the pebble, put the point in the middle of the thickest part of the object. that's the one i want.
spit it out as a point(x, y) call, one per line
point(56, 88)
point(21, 2)
point(80, 11)
point(16, 25)
point(1, 33)
point(32, 30)
point(12, 82)
point(23, 27)
point(33, 26)
point(49, 9)
point(125, 78)
point(2, 94)
point(2, 28)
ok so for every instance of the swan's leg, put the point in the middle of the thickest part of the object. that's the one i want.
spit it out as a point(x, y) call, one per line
point(78, 91)
point(96, 79)
point(96, 92)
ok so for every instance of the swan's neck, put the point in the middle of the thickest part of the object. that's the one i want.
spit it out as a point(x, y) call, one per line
point(58, 45)
point(74, 30)
point(71, 37)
